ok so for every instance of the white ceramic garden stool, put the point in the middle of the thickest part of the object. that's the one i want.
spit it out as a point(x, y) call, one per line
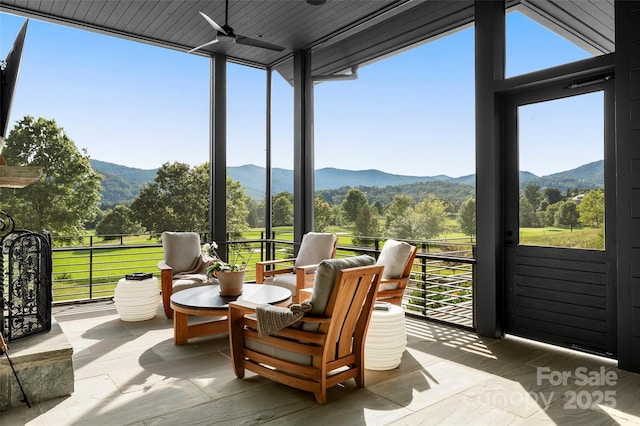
point(137, 300)
point(386, 339)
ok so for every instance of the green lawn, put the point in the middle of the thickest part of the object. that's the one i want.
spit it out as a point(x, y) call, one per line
point(589, 238)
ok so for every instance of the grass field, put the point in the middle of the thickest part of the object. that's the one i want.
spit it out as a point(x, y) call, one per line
point(588, 238)
point(93, 272)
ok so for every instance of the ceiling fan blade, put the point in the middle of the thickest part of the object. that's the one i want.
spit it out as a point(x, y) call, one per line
point(215, 26)
point(258, 43)
point(215, 40)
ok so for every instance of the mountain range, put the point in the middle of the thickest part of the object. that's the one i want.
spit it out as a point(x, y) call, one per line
point(121, 184)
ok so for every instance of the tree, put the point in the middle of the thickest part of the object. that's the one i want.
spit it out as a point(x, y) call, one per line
point(282, 209)
point(323, 214)
point(467, 217)
point(527, 214)
point(432, 218)
point(237, 209)
point(255, 218)
point(591, 208)
point(543, 206)
point(568, 214)
point(377, 205)
point(118, 221)
point(550, 214)
point(178, 200)
point(553, 195)
point(66, 196)
point(367, 225)
point(353, 202)
point(100, 214)
point(533, 195)
point(400, 218)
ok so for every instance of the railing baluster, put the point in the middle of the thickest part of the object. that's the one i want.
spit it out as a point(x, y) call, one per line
point(91, 268)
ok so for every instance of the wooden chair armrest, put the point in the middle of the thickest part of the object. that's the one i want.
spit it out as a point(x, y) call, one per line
point(274, 261)
point(397, 292)
point(166, 287)
point(262, 272)
point(166, 273)
point(305, 277)
point(393, 280)
point(395, 295)
point(163, 266)
point(307, 268)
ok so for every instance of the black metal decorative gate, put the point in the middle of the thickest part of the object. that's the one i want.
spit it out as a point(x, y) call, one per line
point(25, 290)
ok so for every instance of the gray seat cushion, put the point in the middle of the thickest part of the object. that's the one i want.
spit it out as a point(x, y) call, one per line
point(279, 353)
point(287, 281)
point(185, 283)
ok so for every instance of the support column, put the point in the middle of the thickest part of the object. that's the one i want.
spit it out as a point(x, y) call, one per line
point(303, 155)
point(490, 65)
point(627, 63)
point(218, 152)
point(268, 210)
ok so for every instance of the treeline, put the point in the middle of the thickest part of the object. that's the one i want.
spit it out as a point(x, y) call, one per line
point(177, 199)
point(449, 192)
point(549, 207)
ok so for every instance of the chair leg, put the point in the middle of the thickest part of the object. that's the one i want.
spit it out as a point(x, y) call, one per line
point(166, 297)
point(321, 397)
point(359, 364)
point(236, 340)
point(167, 307)
point(360, 377)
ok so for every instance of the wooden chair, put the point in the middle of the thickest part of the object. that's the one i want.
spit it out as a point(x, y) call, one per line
point(182, 267)
point(327, 346)
point(298, 273)
point(397, 258)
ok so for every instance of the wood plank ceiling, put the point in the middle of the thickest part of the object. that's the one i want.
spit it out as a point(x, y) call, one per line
point(342, 33)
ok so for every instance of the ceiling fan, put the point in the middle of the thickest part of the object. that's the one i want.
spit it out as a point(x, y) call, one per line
point(225, 31)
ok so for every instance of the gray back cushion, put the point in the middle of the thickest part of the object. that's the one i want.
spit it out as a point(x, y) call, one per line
point(315, 247)
point(181, 250)
point(326, 277)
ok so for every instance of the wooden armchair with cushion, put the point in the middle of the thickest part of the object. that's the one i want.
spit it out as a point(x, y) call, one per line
point(323, 349)
point(298, 273)
point(397, 258)
point(183, 265)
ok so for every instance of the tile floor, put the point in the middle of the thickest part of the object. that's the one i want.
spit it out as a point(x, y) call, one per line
point(130, 373)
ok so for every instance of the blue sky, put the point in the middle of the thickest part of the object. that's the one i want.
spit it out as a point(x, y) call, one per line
point(411, 114)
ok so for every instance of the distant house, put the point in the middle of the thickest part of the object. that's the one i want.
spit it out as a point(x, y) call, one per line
point(578, 199)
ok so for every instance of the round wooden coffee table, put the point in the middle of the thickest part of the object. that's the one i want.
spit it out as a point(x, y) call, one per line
point(206, 301)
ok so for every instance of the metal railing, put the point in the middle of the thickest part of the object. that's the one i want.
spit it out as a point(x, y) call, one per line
point(441, 284)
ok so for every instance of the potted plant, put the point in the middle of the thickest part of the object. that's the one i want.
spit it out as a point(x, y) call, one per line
point(230, 275)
